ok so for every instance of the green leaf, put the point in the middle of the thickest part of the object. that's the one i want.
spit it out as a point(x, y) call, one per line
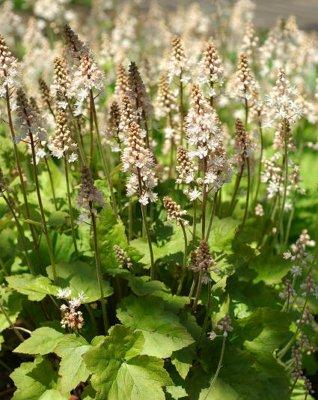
point(110, 232)
point(63, 248)
point(174, 245)
point(270, 268)
point(12, 303)
point(57, 219)
point(69, 347)
point(220, 391)
point(59, 183)
point(161, 328)
point(183, 359)
point(177, 392)
point(42, 341)
point(35, 287)
point(81, 277)
point(7, 244)
point(244, 377)
point(120, 372)
point(53, 394)
point(72, 367)
point(265, 330)
point(36, 380)
point(250, 371)
point(299, 393)
point(222, 234)
point(142, 286)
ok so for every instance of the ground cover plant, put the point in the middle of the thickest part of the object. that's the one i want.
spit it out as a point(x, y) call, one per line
point(158, 203)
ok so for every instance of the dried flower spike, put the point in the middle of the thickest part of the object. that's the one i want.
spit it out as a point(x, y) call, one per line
point(89, 195)
point(243, 142)
point(138, 93)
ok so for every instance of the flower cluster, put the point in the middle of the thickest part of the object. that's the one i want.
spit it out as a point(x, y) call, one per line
point(283, 136)
point(166, 100)
point(89, 195)
point(202, 261)
point(297, 368)
point(127, 116)
point(250, 40)
point(272, 176)
point(243, 85)
point(138, 160)
point(74, 45)
point(244, 145)
point(185, 167)
point(28, 119)
point(113, 134)
point(122, 257)
point(203, 126)
point(87, 77)
point(174, 211)
point(8, 69)
point(212, 69)
point(122, 82)
point(259, 211)
point(283, 102)
point(72, 318)
point(45, 94)
point(223, 327)
point(178, 63)
point(138, 93)
point(61, 144)
point(297, 250)
point(61, 82)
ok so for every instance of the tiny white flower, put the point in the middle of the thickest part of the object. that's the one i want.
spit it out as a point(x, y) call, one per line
point(64, 293)
point(194, 194)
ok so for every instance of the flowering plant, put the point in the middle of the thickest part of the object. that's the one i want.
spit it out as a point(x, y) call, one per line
point(158, 197)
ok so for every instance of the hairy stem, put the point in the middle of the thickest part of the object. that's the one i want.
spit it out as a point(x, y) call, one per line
point(212, 216)
point(236, 187)
point(51, 181)
point(6, 316)
point(98, 267)
point(70, 203)
point(18, 164)
point(130, 220)
point(181, 109)
point(194, 221)
point(204, 199)
point(281, 217)
point(172, 147)
point(104, 161)
point(185, 254)
point(258, 183)
point(20, 230)
point(38, 193)
point(247, 192)
point(218, 368)
point(152, 261)
point(198, 291)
